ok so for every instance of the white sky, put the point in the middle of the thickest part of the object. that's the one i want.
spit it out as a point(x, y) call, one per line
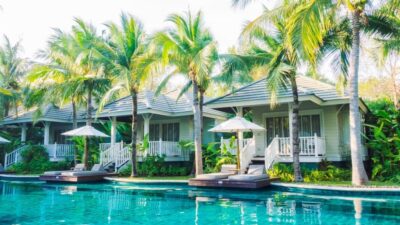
point(32, 21)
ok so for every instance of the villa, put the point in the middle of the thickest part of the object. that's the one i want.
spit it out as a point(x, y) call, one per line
point(324, 121)
point(324, 125)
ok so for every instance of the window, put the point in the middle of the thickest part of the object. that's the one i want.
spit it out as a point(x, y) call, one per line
point(310, 125)
point(279, 126)
point(154, 133)
point(167, 131)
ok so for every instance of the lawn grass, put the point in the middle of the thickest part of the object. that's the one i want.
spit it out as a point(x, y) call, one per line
point(348, 183)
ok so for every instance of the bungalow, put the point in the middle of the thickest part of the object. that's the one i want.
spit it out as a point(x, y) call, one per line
point(166, 119)
point(53, 121)
point(324, 121)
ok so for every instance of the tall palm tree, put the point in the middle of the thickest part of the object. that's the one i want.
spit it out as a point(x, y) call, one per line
point(312, 20)
point(50, 82)
point(190, 49)
point(75, 69)
point(268, 50)
point(127, 55)
point(12, 68)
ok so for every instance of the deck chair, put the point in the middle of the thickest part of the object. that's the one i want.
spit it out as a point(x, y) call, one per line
point(255, 172)
point(78, 167)
point(226, 171)
point(97, 169)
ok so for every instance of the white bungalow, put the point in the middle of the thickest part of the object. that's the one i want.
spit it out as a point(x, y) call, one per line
point(166, 119)
point(52, 122)
point(324, 121)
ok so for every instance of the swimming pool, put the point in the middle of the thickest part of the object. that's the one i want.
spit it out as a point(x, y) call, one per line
point(113, 203)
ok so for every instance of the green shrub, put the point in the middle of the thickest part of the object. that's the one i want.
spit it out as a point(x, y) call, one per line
point(156, 166)
point(35, 160)
point(384, 141)
point(326, 172)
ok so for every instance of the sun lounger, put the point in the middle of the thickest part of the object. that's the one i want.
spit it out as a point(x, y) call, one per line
point(97, 169)
point(78, 167)
point(255, 172)
point(226, 171)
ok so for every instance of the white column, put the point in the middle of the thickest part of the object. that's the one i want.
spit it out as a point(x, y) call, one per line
point(46, 138)
point(146, 129)
point(240, 134)
point(23, 132)
point(290, 115)
point(113, 131)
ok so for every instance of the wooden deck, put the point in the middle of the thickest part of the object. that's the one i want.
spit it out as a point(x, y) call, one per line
point(226, 183)
point(75, 179)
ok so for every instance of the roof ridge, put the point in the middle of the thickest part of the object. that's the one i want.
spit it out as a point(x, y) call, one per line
point(234, 91)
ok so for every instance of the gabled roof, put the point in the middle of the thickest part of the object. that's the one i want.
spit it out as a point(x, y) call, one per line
point(51, 113)
point(257, 93)
point(164, 104)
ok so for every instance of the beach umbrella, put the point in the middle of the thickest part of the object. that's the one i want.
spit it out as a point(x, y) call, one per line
point(3, 140)
point(85, 131)
point(236, 125)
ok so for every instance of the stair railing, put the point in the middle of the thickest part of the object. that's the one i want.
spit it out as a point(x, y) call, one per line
point(271, 153)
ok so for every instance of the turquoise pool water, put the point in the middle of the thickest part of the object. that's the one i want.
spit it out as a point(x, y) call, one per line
point(112, 203)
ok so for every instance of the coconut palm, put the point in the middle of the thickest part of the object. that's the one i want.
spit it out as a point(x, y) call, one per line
point(190, 50)
point(127, 55)
point(12, 68)
point(312, 20)
point(267, 50)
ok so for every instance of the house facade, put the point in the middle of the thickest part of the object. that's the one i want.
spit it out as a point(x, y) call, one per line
point(52, 122)
point(324, 121)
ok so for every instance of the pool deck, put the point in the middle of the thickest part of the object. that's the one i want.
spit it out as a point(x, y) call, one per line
point(146, 181)
point(367, 189)
point(14, 177)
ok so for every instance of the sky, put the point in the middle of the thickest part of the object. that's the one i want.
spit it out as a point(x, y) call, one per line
point(32, 21)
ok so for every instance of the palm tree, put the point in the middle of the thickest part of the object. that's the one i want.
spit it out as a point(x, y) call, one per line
point(50, 82)
point(312, 20)
point(12, 68)
point(127, 55)
point(75, 70)
point(190, 49)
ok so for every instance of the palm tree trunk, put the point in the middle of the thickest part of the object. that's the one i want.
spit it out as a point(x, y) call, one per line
point(295, 130)
point(134, 132)
point(201, 104)
point(359, 176)
point(74, 122)
point(89, 123)
point(197, 129)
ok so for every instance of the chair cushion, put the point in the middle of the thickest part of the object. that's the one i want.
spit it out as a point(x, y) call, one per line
point(83, 173)
point(214, 176)
point(79, 167)
point(54, 172)
point(228, 168)
point(256, 169)
point(97, 167)
point(248, 177)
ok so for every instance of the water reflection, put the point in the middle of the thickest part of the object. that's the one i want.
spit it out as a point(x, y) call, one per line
point(116, 204)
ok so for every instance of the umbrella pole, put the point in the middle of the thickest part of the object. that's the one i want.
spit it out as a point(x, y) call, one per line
point(238, 152)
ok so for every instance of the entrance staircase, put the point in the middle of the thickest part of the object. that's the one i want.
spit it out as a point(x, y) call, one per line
point(115, 157)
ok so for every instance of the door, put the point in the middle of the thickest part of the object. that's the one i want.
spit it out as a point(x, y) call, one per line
point(277, 126)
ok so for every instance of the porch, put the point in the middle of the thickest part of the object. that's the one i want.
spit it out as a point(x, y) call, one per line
point(57, 152)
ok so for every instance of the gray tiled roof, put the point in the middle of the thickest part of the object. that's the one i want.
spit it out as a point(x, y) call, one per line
point(164, 104)
point(258, 92)
point(50, 113)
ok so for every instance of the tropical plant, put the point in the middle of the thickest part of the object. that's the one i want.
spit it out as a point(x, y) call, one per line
point(267, 49)
point(127, 55)
point(191, 51)
point(384, 141)
point(311, 20)
point(12, 69)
